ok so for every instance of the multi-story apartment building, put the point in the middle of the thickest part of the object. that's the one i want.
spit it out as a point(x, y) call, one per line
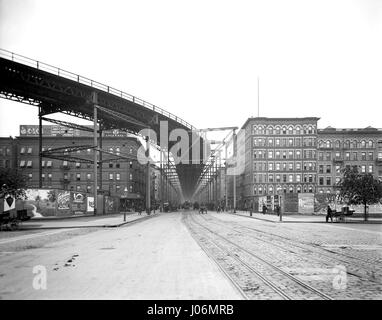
point(291, 155)
point(347, 147)
point(280, 156)
point(123, 177)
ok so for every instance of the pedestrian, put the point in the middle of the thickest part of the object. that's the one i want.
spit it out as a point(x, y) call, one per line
point(278, 210)
point(264, 209)
point(329, 214)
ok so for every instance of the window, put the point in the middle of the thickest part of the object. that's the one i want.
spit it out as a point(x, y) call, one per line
point(110, 164)
point(363, 144)
point(291, 189)
point(284, 178)
point(117, 165)
point(347, 144)
point(277, 142)
point(284, 166)
point(118, 150)
point(29, 164)
point(370, 144)
point(284, 130)
point(131, 176)
point(347, 156)
point(117, 188)
point(298, 189)
point(88, 189)
point(29, 150)
point(43, 176)
point(42, 163)
point(320, 168)
point(321, 156)
point(310, 189)
point(328, 144)
point(290, 178)
point(65, 176)
point(328, 168)
point(277, 178)
point(328, 156)
point(298, 177)
point(270, 178)
point(290, 166)
point(118, 176)
point(270, 189)
point(290, 130)
point(270, 142)
point(371, 156)
point(78, 165)
point(277, 154)
point(78, 176)
point(30, 176)
point(297, 142)
point(363, 156)
point(49, 176)
point(22, 164)
point(354, 156)
point(130, 164)
point(290, 154)
point(284, 155)
point(111, 176)
point(88, 176)
point(270, 166)
point(49, 164)
point(270, 154)
point(131, 188)
point(298, 166)
point(22, 150)
point(321, 181)
point(65, 163)
point(131, 150)
point(338, 169)
point(310, 178)
point(328, 181)
point(337, 144)
point(370, 168)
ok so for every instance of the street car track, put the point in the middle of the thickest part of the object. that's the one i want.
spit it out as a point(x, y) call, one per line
point(306, 247)
point(272, 284)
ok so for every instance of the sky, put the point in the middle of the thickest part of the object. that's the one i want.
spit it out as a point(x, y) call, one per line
point(201, 60)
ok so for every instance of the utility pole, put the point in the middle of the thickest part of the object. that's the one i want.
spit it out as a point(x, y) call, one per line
point(40, 147)
point(148, 189)
point(95, 160)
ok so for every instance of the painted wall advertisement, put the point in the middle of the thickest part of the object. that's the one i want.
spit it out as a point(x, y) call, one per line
point(63, 200)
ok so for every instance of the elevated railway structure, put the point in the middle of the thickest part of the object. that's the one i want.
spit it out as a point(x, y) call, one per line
point(54, 90)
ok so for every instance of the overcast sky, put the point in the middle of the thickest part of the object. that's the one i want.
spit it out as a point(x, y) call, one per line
point(201, 59)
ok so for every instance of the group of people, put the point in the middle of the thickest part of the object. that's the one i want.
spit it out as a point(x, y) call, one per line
point(277, 209)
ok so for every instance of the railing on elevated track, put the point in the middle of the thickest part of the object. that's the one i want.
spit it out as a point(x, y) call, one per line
point(86, 81)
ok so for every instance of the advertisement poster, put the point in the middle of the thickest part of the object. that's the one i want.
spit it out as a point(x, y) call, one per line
point(63, 200)
point(41, 202)
point(305, 202)
point(78, 202)
point(90, 204)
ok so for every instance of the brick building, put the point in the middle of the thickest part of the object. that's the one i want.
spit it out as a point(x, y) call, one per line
point(291, 155)
point(119, 178)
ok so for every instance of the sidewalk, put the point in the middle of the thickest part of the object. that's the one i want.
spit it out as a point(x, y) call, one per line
point(99, 221)
point(301, 218)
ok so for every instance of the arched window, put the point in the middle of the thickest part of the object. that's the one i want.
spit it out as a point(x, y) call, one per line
point(279, 189)
point(254, 190)
point(363, 144)
point(270, 189)
point(321, 191)
point(347, 144)
point(284, 130)
point(290, 130)
point(310, 189)
point(260, 190)
point(298, 130)
point(310, 131)
point(321, 144)
point(270, 130)
point(328, 144)
point(370, 144)
point(291, 189)
point(260, 130)
point(254, 129)
point(337, 144)
point(355, 144)
point(298, 189)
